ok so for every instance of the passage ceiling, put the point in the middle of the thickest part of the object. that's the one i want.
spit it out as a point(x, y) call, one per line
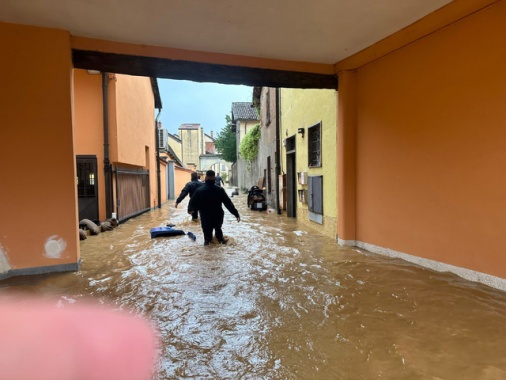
point(319, 31)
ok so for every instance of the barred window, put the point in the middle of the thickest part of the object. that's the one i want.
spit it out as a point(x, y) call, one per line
point(315, 145)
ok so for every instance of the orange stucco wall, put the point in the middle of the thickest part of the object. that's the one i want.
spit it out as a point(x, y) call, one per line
point(430, 132)
point(135, 125)
point(88, 125)
point(131, 125)
point(183, 176)
point(38, 200)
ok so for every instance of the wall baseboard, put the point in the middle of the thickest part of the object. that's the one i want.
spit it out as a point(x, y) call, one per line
point(467, 274)
point(71, 267)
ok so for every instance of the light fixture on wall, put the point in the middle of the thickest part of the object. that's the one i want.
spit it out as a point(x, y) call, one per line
point(301, 131)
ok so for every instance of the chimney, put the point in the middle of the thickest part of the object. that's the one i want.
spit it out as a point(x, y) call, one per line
point(212, 134)
point(159, 125)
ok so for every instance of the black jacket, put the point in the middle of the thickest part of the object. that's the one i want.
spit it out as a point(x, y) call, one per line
point(189, 188)
point(208, 199)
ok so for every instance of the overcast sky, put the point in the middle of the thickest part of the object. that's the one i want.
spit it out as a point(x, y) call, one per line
point(202, 103)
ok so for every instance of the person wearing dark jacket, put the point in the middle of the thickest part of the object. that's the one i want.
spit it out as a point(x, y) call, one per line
point(190, 189)
point(219, 180)
point(209, 199)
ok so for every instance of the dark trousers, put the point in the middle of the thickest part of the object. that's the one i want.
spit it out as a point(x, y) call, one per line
point(195, 214)
point(207, 229)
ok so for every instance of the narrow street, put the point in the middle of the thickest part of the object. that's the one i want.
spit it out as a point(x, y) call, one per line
point(281, 301)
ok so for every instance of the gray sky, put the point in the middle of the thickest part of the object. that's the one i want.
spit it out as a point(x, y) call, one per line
point(203, 103)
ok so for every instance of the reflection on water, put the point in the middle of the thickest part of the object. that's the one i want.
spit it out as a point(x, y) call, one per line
point(281, 302)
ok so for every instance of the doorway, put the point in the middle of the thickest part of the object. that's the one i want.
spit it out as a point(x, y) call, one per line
point(291, 178)
point(87, 187)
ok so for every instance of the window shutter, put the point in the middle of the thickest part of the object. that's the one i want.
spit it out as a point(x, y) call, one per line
point(315, 203)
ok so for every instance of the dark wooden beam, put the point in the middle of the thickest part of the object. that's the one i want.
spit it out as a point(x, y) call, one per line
point(198, 72)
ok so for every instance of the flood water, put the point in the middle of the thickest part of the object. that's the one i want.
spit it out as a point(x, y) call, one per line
point(282, 302)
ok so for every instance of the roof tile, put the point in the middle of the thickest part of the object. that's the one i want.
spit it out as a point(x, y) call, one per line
point(244, 111)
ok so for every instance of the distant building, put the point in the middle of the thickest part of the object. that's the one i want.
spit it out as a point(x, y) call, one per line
point(244, 117)
point(193, 144)
point(116, 175)
point(174, 175)
point(265, 163)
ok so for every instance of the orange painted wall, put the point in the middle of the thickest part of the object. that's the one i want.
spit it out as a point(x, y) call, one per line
point(88, 125)
point(38, 199)
point(431, 120)
point(183, 176)
point(135, 125)
point(131, 125)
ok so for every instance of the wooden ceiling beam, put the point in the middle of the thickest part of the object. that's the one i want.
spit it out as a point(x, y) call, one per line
point(198, 71)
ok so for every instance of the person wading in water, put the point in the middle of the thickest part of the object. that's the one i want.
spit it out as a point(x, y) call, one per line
point(209, 199)
point(190, 188)
point(219, 181)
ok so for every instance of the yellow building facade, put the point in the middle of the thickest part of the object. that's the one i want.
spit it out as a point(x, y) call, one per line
point(193, 144)
point(303, 113)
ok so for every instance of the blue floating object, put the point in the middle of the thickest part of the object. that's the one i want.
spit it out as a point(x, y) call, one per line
point(165, 231)
point(192, 236)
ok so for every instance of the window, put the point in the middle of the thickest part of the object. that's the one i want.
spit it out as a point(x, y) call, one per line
point(290, 144)
point(314, 146)
point(86, 179)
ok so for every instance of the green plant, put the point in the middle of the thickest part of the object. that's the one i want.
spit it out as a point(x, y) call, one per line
point(226, 142)
point(249, 144)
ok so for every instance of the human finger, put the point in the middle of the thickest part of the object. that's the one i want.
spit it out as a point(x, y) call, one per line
point(79, 341)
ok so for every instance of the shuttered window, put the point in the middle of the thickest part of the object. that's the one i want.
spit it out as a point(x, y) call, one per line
point(315, 201)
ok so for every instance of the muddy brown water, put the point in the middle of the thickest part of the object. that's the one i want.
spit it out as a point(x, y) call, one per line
point(281, 301)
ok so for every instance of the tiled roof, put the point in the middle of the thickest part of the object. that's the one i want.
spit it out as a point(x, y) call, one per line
point(189, 126)
point(244, 111)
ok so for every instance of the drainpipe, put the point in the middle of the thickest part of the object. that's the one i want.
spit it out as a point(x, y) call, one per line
point(157, 141)
point(278, 156)
point(107, 163)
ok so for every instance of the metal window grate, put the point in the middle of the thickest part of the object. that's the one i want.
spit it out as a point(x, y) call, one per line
point(86, 179)
point(314, 148)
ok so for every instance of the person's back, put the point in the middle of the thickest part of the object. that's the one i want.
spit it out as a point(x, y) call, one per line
point(218, 180)
point(190, 189)
point(209, 199)
point(193, 185)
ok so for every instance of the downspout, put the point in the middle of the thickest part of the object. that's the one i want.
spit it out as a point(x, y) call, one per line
point(107, 163)
point(157, 141)
point(278, 148)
